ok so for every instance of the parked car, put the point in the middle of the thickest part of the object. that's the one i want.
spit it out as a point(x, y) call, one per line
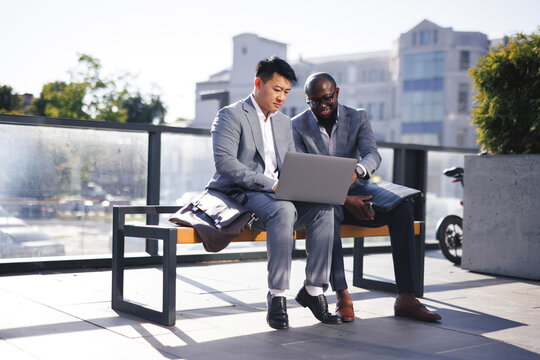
point(24, 241)
point(7, 220)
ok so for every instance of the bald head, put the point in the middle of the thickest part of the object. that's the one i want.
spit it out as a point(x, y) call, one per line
point(314, 79)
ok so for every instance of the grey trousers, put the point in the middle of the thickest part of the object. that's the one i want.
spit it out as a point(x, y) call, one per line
point(279, 218)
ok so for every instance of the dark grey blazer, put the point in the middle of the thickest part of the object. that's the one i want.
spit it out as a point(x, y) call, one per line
point(355, 137)
point(238, 147)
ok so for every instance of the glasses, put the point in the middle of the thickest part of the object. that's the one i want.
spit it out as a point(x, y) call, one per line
point(327, 100)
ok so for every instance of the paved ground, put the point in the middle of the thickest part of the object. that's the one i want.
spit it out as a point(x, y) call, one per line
point(221, 315)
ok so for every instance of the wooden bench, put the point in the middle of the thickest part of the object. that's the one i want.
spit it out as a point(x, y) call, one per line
point(171, 235)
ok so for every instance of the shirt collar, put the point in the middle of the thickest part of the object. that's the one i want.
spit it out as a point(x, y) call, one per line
point(260, 113)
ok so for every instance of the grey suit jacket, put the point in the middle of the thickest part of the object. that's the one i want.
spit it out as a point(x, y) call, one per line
point(238, 147)
point(355, 138)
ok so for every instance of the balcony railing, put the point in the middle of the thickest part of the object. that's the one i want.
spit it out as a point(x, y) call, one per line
point(61, 177)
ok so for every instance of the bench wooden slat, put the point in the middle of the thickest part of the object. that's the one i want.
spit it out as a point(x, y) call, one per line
point(187, 235)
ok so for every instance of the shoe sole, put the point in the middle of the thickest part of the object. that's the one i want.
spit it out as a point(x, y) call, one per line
point(404, 314)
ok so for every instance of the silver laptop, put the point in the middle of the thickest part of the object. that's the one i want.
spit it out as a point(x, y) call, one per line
point(315, 178)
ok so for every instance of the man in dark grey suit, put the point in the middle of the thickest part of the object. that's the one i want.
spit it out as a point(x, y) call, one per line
point(330, 128)
point(249, 141)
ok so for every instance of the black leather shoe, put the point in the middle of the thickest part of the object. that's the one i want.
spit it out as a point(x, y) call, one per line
point(318, 306)
point(277, 316)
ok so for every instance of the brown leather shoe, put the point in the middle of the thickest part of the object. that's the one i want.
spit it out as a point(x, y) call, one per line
point(344, 305)
point(408, 305)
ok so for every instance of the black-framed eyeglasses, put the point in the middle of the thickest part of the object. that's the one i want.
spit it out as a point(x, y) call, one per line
point(327, 100)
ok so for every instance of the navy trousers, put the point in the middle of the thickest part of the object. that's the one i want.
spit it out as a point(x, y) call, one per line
point(400, 222)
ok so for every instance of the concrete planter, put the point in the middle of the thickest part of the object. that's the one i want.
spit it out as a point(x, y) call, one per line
point(501, 215)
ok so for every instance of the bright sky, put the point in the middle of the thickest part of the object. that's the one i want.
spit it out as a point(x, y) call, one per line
point(172, 44)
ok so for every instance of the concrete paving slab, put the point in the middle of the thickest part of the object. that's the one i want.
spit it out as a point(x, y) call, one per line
point(221, 314)
point(11, 352)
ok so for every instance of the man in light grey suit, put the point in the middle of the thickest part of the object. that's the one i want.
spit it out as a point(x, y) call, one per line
point(330, 128)
point(249, 141)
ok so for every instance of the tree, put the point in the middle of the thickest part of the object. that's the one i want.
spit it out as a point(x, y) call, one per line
point(141, 111)
point(10, 103)
point(90, 95)
point(103, 100)
point(507, 109)
point(61, 99)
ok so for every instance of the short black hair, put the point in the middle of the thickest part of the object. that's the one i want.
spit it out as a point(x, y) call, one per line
point(315, 78)
point(267, 67)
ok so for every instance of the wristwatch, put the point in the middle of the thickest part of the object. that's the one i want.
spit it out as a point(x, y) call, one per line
point(359, 171)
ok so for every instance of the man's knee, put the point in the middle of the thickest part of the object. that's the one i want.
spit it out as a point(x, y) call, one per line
point(285, 212)
point(405, 210)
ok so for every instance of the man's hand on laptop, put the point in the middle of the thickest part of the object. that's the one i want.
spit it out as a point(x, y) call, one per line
point(360, 207)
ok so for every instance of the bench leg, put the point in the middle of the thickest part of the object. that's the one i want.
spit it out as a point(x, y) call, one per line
point(168, 314)
point(358, 267)
point(420, 245)
point(358, 271)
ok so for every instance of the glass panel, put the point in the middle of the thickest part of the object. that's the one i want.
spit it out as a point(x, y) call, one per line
point(58, 186)
point(186, 167)
point(443, 197)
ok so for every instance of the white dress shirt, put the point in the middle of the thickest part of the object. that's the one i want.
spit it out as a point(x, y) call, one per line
point(270, 160)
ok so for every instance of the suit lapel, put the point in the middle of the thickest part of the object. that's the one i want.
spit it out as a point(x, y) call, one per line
point(253, 121)
point(344, 121)
point(315, 133)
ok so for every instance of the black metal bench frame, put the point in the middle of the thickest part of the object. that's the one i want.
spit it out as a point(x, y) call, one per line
point(169, 237)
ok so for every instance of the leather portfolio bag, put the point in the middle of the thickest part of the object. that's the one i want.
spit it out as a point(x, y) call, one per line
point(387, 195)
point(216, 218)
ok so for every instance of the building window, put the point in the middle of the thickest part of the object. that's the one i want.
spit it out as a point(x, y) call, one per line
point(414, 39)
point(423, 88)
point(461, 137)
point(425, 37)
point(464, 60)
point(244, 50)
point(373, 75)
point(435, 36)
point(371, 111)
point(382, 111)
point(463, 98)
point(426, 65)
point(293, 111)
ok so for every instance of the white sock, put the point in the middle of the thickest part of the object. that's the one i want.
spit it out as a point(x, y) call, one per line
point(314, 290)
point(277, 292)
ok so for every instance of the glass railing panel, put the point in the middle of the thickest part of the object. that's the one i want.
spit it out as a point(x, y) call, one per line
point(443, 197)
point(58, 186)
point(186, 166)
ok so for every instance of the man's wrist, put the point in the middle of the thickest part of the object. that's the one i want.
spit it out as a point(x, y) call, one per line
point(360, 171)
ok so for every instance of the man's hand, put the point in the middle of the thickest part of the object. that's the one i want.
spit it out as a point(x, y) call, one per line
point(275, 187)
point(357, 206)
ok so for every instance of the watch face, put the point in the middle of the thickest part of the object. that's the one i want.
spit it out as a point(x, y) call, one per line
point(359, 171)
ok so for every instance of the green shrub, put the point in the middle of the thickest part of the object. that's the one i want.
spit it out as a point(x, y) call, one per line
point(507, 100)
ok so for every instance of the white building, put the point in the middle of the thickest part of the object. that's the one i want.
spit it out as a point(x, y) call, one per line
point(418, 92)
